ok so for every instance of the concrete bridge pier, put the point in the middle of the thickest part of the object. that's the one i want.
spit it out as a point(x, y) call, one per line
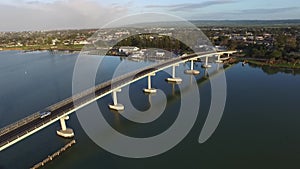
point(65, 132)
point(219, 59)
point(150, 89)
point(174, 78)
point(116, 106)
point(206, 65)
point(192, 71)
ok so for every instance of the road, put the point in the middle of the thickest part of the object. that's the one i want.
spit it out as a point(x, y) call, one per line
point(60, 109)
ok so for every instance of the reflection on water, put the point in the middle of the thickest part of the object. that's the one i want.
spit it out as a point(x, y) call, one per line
point(274, 70)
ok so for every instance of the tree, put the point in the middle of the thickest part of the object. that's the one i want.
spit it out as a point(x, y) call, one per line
point(276, 54)
point(291, 44)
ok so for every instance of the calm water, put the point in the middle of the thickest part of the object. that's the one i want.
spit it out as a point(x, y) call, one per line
point(259, 129)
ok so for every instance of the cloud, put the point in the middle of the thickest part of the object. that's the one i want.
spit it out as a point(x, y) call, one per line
point(258, 14)
point(66, 14)
point(165, 6)
point(190, 6)
point(268, 11)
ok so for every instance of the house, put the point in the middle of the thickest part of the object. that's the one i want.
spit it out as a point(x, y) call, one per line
point(260, 38)
point(128, 49)
point(67, 42)
point(160, 53)
point(81, 42)
point(55, 41)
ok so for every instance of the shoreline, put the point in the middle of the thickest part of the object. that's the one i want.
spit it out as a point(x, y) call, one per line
point(71, 48)
point(266, 62)
point(254, 61)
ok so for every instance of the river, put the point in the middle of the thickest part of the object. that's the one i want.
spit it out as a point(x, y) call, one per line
point(259, 127)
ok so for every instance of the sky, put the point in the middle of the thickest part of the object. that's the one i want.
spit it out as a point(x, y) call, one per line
point(23, 15)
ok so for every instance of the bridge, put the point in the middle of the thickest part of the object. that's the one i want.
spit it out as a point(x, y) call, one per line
point(27, 126)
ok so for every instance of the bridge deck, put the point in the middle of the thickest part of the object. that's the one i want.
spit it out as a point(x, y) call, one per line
point(31, 124)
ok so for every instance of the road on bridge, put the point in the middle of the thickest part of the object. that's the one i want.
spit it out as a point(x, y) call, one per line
point(61, 109)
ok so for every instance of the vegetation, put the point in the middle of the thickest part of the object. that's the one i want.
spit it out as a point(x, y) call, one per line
point(46, 47)
point(154, 41)
point(44, 40)
point(277, 47)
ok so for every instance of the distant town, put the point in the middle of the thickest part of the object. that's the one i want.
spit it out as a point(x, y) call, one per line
point(45, 40)
point(278, 45)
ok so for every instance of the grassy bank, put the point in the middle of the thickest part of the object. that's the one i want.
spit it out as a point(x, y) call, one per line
point(275, 65)
point(46, 47)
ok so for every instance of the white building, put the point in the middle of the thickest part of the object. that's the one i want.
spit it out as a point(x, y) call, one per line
point(54, 42)
point(160, 53)
point(82, 42)
point(128, 49)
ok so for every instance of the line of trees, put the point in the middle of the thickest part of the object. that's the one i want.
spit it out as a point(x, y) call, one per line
point(155, 41)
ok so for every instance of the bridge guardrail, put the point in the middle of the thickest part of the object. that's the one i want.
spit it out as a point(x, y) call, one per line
point(91, 90)
point(97, 87)
point(19, 123)
point(69, 100)
point(87, 92)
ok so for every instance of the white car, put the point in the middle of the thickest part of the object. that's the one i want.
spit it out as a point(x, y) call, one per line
point(44, 114)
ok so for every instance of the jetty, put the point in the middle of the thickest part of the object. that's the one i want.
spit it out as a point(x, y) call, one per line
point(56, 154)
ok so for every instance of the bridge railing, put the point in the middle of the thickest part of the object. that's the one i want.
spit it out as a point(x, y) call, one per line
point(97, 87)
point(92, 89)
point(82, 94)
point(19, 123)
